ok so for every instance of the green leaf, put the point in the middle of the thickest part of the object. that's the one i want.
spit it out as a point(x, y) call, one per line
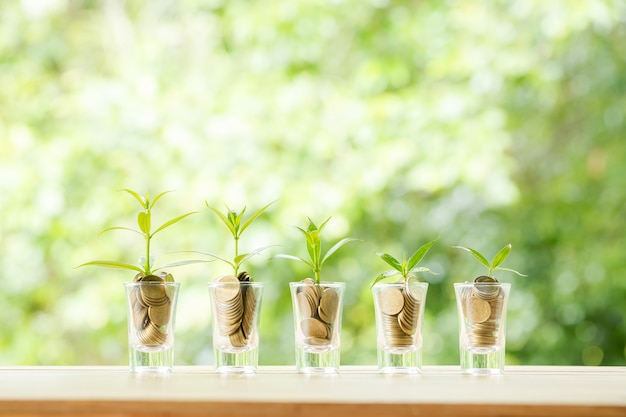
point(214, 256)
point(181, 263)
point(476, 255)
point(253, 217)
point(171, 222)
point(390, 260)
point(323, 224)
point(234, 219)
point(143, 220)
point(510, 270)
point(113, 265)
point(311, 226)
point(501, 256)
point(294, 258)
point(245, 256)
point(224, 220)
point(419, 254)
point(337, 245)
point(384, 275)
point(139, 198)
point(157, 198)
point(422, 269)
point(121, 228)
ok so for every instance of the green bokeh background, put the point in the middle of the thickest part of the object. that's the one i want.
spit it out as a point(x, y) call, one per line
point(481, 122)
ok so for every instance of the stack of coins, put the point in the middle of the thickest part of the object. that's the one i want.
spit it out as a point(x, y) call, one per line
point(400, 315)
point(482, 306)
point(152, 309)
point(318, 311)
point(235, 307)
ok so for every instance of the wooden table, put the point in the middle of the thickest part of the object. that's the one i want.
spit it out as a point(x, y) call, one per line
point(280, 391)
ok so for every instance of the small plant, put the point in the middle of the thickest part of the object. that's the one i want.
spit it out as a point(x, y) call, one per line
point(314, 247)
point(144, 224)
point(234, 222)
point(494, 265)
point(406, 268)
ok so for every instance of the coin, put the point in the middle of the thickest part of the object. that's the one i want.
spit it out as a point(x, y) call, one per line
point(229, 306)
point(140, 315)
point(329, 303)
point(316, 341)
point(393, 333)
point(314, 328)
point(237, 339)
point(304, 305)
point(244, 277)
point(154, 293)
point(152, 336)
point(479, 310)
point(160, 315)
point(391, 300)
point(249, 312)
point(229, 290)
point(484, 287)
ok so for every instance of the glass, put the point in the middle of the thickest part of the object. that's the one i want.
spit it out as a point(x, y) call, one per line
point(236, 307)
point(151, 320)
point(399, 309)
point(482, 326)
point(317, 323)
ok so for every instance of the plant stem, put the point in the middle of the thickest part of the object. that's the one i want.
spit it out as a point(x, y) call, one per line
point(146, 265)
point(236, 255)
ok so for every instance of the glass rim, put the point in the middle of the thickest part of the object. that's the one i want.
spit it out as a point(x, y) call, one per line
point(329, 284)
point(473, 284)
point(400, 284)
point(214, 284)
point(151, 283)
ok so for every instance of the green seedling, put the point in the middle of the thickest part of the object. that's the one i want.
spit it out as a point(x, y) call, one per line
point(408, 267)
point(317, 258)
point(236, 225)
point(494, 265)
point(144, 228)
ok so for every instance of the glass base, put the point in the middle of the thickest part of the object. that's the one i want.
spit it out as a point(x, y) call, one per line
point(237, 362)
point(151, 360)
point(400, 360)
point(488, 361)
point(313, 360)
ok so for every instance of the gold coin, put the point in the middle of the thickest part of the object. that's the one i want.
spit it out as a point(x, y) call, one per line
point(228, 290)
point(152, 336)
point(390, 300)
point(479, 310)
point(304, 305)
point(316, 341)
point(140, 315)
point(314, 328)
point(152, 291)
point(329, 304)
point(237, 339)
point(249, 312)
point(160, 315)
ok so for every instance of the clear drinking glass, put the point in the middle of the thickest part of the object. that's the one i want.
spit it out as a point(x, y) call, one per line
point(151, 320)
point(482, 326)
point(236, 307)
point(317, 323)
point(399, 311)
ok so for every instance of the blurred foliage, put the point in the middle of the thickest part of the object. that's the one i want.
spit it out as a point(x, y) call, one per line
point(483, 123)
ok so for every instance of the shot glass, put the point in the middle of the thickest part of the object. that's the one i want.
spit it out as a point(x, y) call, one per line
point(151, 321)
point(236, 308)
point(482, 326)
point(317, 312)
point(399, 309)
